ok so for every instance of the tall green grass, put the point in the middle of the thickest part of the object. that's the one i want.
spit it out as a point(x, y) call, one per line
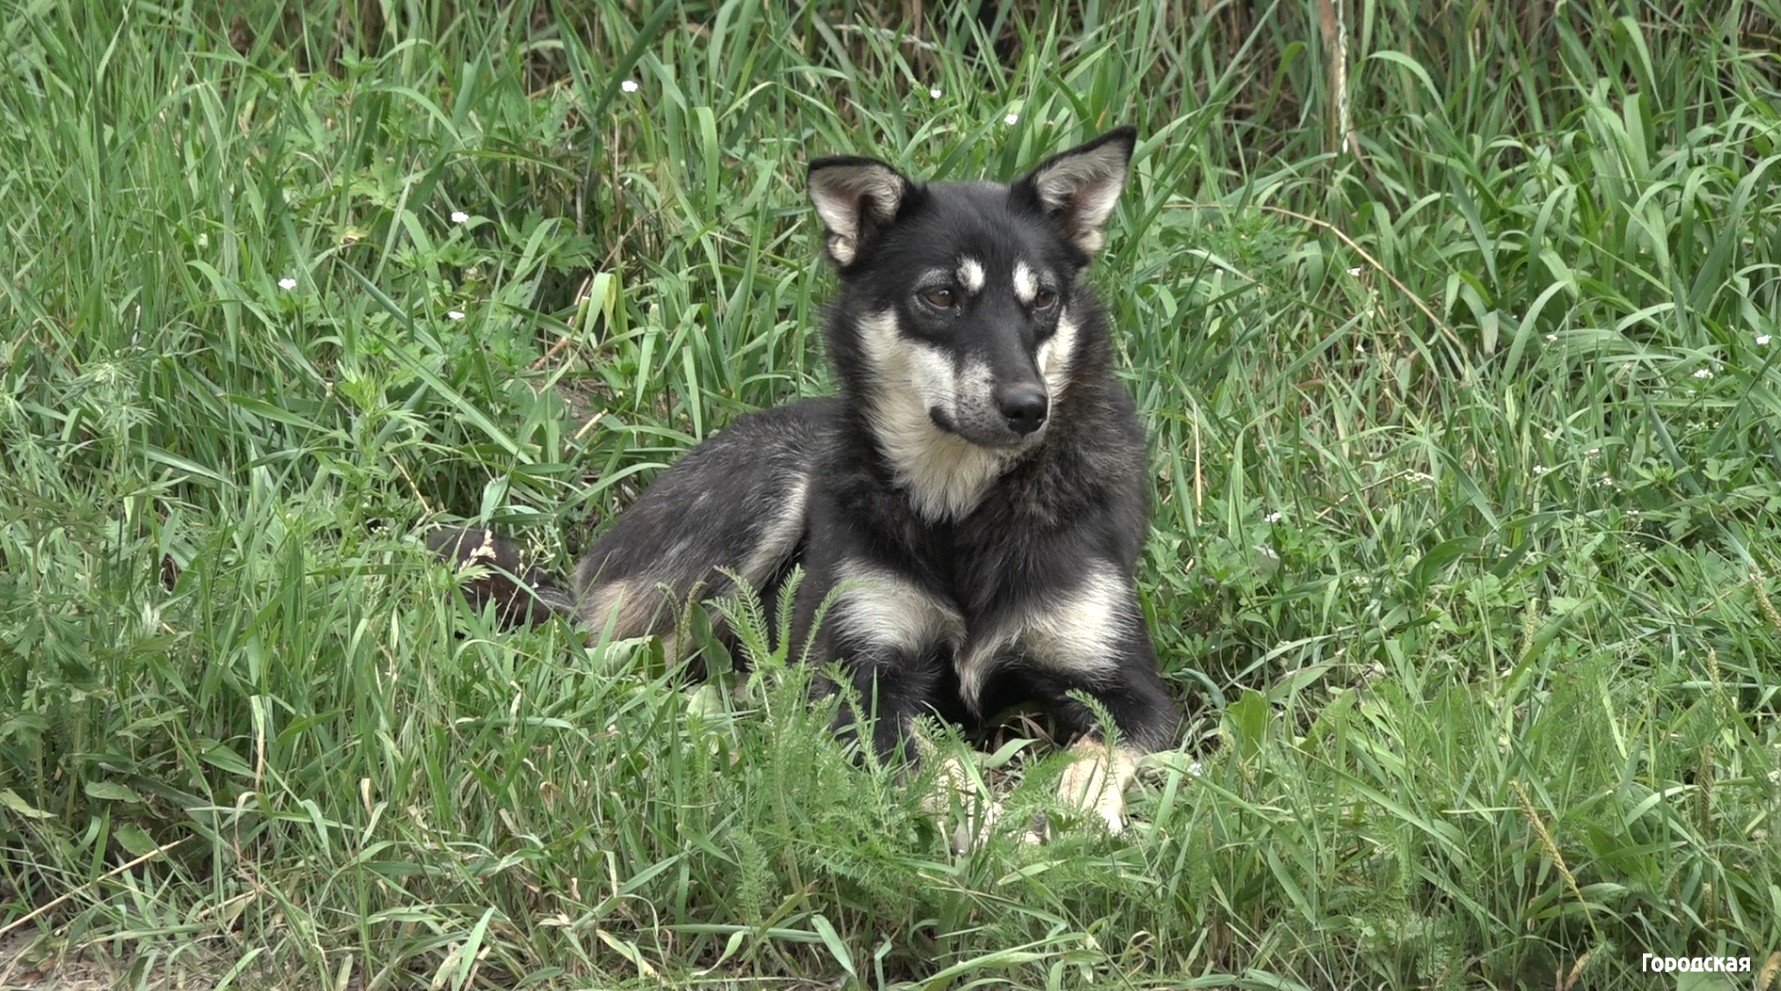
point(1466, 461)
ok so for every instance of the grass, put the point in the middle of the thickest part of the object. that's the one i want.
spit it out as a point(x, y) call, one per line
point(1465, 556)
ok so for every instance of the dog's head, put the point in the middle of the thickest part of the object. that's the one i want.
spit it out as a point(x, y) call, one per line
point(962, 303)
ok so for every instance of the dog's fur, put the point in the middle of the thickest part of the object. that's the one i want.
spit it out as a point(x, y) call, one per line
point(975, 499)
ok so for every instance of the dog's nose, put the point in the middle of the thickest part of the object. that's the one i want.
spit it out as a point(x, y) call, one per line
point(1024, 406)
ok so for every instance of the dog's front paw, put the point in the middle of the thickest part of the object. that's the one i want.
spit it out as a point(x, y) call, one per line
point(955, 786)
point(975, 826)
point(1095, 782)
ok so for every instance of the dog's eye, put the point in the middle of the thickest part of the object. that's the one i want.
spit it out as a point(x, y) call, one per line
point(1045, 299)
point(940, 298)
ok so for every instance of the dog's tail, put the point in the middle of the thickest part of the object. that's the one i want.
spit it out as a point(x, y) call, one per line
point(522, 592)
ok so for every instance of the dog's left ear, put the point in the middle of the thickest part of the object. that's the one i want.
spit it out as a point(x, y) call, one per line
point(1079, 188)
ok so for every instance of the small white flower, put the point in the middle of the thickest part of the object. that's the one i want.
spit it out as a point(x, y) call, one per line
point(934, 92)
point(1011, 119)
point(1273, 517)
point(1198, 770)
point(459, 217)
point(1541, 469)
point(1762, 340)
point(454, 314)
point(1354, 273)
point(1552, 338)
point(1592, 452)
point(287, 283)
point(1703, 373)
point(629, 86)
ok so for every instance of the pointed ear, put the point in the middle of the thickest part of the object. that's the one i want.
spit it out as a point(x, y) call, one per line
point(856, 198)
point(1079, 188)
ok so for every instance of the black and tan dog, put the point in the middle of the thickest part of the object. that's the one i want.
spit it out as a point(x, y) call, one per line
point(975, 497)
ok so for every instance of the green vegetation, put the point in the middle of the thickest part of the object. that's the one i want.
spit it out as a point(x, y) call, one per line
point(1465, 432)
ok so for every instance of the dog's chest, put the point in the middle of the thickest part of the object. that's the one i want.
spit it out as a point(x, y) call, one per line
point(1014, 578)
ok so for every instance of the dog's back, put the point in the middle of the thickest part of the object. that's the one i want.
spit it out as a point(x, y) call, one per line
point(734, 505)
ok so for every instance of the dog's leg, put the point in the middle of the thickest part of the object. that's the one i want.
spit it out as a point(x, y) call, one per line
point(891, 633)
point(1133, 695)
point(1090, 639)
point(895, 637)
point(891, 690)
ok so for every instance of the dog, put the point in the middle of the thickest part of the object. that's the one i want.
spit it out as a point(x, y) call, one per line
point(968, 511)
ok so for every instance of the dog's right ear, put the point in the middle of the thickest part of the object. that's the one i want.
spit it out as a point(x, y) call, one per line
point(856, 198)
